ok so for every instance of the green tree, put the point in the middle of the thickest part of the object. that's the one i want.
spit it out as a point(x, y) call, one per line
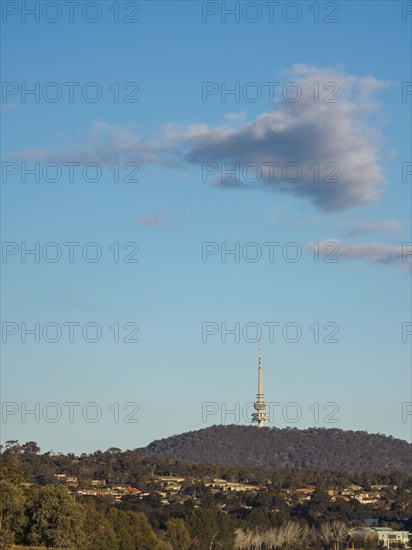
point(11, 511)
point(210, 528)
point(11, 454)
point(30, 447)
point(99, 532)
point(133, 531)
point(177, 534)
point(55, 518)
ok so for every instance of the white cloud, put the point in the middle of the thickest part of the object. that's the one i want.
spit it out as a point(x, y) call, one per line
point(305, 132)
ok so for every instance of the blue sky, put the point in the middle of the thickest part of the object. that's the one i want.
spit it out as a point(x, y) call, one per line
point(165, 379)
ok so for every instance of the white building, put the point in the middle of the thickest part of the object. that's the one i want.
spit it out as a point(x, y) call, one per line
point(388, 535)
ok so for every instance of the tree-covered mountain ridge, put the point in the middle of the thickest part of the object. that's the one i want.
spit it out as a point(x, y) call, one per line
point(318, 448)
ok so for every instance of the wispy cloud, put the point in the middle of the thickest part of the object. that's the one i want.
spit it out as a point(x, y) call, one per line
point(354, 228)
point(374, 252)
point(157, 220)
point(105, 144)
point(233, 117)
point(305, 132)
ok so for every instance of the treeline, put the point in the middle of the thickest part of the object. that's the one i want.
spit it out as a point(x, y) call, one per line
point(137, 469)
point(48, 516)
point(317, 448)
point(36, 510)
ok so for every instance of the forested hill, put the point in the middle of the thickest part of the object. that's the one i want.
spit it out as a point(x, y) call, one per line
point(320, 448)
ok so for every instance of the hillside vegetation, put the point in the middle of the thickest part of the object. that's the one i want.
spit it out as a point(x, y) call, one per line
point(319, 448)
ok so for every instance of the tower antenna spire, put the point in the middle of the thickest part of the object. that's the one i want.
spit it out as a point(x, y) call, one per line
point(260, 416)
